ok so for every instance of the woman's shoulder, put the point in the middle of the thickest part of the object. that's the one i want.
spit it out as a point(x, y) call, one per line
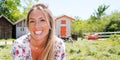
point(59, 43)
point(22, 39)
point(58, 40)
point(20, 49)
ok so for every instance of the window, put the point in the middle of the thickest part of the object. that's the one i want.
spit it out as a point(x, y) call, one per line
point(63, 22)
point(22, 29)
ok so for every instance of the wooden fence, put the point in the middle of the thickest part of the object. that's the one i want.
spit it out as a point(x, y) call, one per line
point(104, 34)
point(107, 34)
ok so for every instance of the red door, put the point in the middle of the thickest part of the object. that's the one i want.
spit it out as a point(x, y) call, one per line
point(63, 31)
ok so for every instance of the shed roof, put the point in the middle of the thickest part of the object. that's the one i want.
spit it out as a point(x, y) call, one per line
point(2, 16)
point(70, 18)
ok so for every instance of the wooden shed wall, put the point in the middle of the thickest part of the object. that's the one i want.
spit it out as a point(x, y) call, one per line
point(5, 28)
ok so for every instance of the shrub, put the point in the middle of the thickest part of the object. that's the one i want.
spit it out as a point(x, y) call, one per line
point(112, 51)
point(118, 53)
point(72, 51)
point(78, 51)
point(114, 37)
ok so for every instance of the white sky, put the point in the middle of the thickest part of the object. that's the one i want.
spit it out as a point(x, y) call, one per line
point(81, 8)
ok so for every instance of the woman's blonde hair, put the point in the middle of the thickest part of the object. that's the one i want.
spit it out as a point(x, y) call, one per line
point(48, 53)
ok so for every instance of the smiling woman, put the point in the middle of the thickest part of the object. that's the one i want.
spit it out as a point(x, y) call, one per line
point(41, 43)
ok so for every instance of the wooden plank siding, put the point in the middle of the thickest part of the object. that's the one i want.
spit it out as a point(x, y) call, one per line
point(5, 28)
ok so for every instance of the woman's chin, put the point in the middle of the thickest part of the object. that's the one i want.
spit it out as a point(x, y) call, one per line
point(37, 37)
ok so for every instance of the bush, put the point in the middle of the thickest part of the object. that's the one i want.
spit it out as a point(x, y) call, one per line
point(78, 51)
point(118, 53)
point(72, 51)
point(112, 51)
point(114, 37)
point(113, 26)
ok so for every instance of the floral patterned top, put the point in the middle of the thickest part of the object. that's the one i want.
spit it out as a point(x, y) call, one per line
point(21, 49)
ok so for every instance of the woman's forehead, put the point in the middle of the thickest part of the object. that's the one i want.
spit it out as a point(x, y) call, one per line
point(37, 13)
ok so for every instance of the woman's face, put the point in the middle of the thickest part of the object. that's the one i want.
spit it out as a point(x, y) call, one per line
point(38, 25)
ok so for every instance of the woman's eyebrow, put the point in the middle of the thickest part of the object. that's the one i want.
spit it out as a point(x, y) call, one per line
point(31, 18)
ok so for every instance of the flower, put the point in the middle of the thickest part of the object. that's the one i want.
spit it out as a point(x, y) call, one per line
point(17, 52)
point(23, 50)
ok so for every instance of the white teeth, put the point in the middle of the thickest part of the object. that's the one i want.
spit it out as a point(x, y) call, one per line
point(38, 32)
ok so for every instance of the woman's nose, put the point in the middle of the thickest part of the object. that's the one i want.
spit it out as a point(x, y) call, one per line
point(37, 24)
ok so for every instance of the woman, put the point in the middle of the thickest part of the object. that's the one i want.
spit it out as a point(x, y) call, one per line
point(40, 43)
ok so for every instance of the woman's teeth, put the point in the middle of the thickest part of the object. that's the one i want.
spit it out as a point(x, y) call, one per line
point(38, 32)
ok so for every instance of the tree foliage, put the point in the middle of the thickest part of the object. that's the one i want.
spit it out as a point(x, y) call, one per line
point(12, 8)
point(76, 24)
point(108, 23)
point(85, 26)
point(114, 24)
point(99, 12)
point(9, 9)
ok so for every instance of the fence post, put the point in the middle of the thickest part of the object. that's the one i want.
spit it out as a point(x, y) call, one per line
point(5, 43)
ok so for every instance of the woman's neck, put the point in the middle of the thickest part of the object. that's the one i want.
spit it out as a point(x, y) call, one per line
point(38, 43)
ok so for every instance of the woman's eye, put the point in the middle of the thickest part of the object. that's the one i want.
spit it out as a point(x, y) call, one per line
point(31, 21)
point(42, 20)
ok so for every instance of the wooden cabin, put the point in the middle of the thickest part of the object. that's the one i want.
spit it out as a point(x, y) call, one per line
point(6, 27)
point(63, 26)
point(20, 28)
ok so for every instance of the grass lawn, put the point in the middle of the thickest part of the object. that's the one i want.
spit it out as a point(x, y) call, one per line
point(81, 50)
point(93, 50)
point(5, 49)
point(5, 52)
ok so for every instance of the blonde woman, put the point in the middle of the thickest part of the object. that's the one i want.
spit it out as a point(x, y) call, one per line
point(40, 43)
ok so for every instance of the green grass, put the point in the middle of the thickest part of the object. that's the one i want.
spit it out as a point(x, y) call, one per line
point(5, 52)
point(81, 50)
point(93, 50)
point(5, 49)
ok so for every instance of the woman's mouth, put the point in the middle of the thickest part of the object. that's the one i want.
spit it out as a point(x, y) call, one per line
point(38, 32)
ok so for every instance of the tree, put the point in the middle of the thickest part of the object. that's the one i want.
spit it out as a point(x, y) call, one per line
point(9, 8)
point(100, 12)
point(114, 24)
point(12, 8)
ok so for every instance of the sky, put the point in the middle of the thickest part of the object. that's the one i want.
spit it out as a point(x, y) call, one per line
point(81, 8)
